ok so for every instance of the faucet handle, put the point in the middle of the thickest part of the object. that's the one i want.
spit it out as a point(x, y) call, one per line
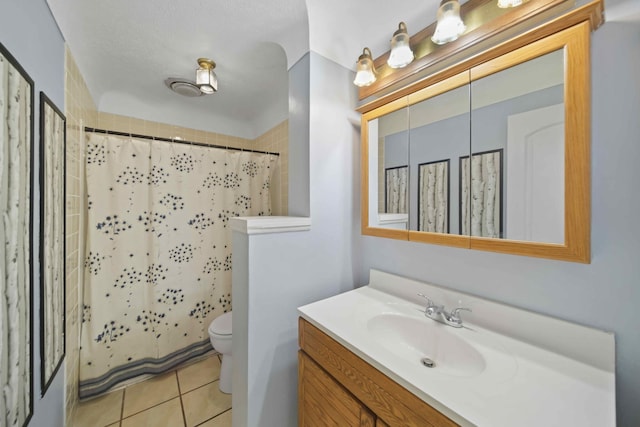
point(429, 300)
point(455, 313)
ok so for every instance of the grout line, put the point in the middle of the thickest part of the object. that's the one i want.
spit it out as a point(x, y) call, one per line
point(184, 416)
point(150, 407)
point(215, 416)
point(200, 386)
point(153, 406)
point(122, 404)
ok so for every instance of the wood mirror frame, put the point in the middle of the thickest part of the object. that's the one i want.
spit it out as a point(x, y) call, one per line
point(570, 32)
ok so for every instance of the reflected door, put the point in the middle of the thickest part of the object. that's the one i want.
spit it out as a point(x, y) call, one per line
point(535, 194)
point(516, 184)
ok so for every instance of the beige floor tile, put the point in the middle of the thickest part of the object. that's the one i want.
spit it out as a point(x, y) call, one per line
point(168, 414)
point(204, 402)
point(99, 412)
point(118, 424)
point(151, 392)
point(222, 420)
point(198, 374)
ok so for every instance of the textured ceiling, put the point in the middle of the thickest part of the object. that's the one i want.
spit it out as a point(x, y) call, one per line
point(126, 49)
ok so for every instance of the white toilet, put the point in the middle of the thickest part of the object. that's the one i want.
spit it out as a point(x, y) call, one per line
point(220, 336)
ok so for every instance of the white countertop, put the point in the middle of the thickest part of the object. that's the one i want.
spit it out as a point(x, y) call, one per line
point(521, 384)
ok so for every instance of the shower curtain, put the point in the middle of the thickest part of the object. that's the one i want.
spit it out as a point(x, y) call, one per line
point(158, 251)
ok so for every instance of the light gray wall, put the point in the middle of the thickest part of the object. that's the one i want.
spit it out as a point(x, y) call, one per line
point(604, 294)
point(396, 150)
point(29, 32)
point(287, 270)
point(299, 93)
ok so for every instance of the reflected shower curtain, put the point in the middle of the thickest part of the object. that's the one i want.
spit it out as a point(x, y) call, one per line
point(158, 253)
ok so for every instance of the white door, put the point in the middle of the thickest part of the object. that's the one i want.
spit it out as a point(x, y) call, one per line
point(535, 175)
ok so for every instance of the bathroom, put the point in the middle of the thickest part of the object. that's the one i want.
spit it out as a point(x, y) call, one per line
point(327, 254)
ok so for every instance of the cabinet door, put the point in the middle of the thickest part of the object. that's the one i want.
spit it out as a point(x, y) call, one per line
point(323, 402)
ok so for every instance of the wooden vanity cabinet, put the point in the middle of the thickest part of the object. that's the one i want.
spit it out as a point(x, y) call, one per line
point(324, 402)
point(338, 388)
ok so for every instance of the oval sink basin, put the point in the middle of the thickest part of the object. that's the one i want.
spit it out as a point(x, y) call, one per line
point(415, 338)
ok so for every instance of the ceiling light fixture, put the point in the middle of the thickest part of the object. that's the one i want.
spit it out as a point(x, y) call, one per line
point(503, 4)
point(401, 54)
point(206, 79)
point(450, 25)
point(365, 70)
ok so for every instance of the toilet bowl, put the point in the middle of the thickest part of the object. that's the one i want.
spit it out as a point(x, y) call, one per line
point(220, 336)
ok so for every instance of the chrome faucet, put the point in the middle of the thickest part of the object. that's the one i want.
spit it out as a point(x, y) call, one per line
point(440, 314)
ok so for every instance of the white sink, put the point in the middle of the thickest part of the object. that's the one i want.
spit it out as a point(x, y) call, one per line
point(414, 339)
point(481, 377)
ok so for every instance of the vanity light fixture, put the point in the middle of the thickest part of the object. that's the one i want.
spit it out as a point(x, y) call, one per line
point(206, 79)
point(450, 25)
point(365, 70)
point(401, 54)
point(503, 4)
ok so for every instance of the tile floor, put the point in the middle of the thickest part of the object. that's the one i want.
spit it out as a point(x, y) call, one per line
point(187, 397)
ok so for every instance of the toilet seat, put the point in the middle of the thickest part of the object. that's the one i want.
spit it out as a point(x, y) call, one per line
point(221, 326)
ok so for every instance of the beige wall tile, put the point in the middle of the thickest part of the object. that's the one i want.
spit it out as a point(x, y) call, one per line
point(137, 126)
point(165, 131)
point(200, 136)
point(80, 111)
point(151, 128)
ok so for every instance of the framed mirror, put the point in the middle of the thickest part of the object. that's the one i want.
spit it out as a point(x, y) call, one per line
point(52, 238)
point(541, 114)
point(16, 207)
point(517, 134)
point(498, 149)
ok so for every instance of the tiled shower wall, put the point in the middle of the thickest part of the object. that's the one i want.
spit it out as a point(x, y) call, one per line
point(80, 111)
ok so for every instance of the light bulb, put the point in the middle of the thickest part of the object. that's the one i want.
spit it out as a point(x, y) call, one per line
point(450, 25)
point(401, 54)
point(365, 70)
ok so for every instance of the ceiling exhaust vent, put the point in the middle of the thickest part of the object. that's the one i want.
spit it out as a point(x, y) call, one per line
point(183, 87)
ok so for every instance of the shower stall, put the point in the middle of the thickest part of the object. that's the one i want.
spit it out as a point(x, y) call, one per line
point(158, 249)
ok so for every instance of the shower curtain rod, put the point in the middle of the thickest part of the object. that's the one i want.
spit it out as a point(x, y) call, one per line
point(179, 141)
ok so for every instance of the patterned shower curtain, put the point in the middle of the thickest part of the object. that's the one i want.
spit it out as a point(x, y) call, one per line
point(158, 252)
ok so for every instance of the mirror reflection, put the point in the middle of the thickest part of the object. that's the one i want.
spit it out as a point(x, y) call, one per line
point(485, 159)
point(389, 166)
point(439, 136)
point(515, 185)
